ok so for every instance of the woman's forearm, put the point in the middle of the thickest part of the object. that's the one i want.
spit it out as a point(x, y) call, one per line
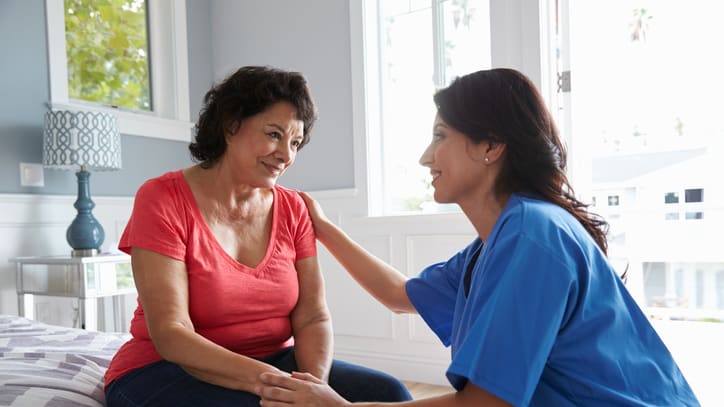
point(381, 280)
point(313, 348)
point(209, 362)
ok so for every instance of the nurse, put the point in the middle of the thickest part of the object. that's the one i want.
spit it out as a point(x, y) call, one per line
point(533, 311)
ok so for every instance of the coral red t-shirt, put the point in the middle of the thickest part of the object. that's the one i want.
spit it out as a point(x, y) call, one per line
point(244, 309)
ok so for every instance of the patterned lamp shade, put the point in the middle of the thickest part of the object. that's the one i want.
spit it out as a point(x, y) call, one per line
point(83, 141)
point(89, 140)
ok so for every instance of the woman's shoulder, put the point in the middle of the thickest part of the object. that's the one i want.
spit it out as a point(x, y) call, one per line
point(161, 181)
point(290, 198)
point(285, 191)
point(163, 186)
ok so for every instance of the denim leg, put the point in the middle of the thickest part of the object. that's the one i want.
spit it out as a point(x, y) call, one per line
point(358, 383)
point(163, 384)
point(167, 384)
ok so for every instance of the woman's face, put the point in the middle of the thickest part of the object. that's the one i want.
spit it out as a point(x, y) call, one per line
point(265, 145)
point(456, 164)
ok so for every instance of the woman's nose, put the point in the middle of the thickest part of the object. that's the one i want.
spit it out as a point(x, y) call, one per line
point(285, 153)
point(426, 157)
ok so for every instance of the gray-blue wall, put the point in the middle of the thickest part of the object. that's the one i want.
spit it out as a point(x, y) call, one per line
point(312, 36)
point(25, 90)
point(201, 74)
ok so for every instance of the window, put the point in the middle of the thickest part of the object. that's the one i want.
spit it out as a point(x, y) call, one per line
point(656, 133)
point(671, 197)
point(422, 46)
point(694, 195)
point(107, 53)
point(693, 199)
point(671, 216)
point(168, 113)
point(694, 215)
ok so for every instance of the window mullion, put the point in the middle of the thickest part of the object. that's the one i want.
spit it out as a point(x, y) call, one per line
point(57, 58)
point(438, 42)
point(167, 63)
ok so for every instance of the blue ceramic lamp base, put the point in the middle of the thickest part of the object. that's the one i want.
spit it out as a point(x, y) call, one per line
point(85, 234)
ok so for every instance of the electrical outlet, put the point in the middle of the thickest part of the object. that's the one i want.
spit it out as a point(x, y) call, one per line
point(31, 175)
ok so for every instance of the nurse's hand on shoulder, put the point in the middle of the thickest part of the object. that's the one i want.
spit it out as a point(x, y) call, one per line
point(315, 211)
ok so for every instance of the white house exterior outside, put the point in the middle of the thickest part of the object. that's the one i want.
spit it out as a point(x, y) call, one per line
point(666, 210)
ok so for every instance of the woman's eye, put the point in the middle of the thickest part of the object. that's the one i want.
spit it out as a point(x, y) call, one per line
point(297, 143)
point(437, 136)
point(275, 135)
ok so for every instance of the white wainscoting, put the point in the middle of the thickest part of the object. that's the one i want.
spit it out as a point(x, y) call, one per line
point(35, 225)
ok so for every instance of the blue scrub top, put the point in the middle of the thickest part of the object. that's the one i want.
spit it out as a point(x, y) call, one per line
point(547, 321)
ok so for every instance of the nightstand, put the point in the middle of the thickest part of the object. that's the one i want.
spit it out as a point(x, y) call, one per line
point(84, 278)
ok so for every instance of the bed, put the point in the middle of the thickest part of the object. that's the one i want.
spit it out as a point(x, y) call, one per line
point(52, 366)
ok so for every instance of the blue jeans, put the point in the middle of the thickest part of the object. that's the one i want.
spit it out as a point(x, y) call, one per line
point(167, 384)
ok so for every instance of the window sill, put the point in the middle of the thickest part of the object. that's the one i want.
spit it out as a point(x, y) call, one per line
point(140, 124)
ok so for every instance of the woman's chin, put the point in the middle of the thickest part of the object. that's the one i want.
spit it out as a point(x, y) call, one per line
point(440, 198)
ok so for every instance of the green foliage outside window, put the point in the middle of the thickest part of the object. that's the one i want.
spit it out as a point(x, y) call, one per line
point(107, 50)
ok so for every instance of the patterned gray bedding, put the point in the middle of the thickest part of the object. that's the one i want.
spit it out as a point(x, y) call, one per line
point(52, 366)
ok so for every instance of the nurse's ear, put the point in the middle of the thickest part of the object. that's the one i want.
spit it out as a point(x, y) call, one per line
point(492, 151)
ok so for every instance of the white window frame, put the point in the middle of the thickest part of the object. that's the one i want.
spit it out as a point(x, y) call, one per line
point(516, 32)
point(170, 118)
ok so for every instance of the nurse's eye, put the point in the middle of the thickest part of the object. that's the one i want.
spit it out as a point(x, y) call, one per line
point(437, 136)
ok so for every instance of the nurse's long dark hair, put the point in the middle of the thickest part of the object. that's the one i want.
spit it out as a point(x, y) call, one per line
point(504, 106)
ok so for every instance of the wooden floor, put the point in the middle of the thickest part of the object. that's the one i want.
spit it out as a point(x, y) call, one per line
point(424, 390)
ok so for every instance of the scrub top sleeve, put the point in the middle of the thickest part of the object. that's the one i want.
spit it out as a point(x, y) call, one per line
point(510, 324)
point(434, 292)
point(434, 300)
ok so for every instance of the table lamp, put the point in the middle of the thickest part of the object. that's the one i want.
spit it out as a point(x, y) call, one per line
point(86, 141)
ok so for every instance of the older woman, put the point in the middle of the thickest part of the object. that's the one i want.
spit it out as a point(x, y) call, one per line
point(225, 263)
point(534, 312)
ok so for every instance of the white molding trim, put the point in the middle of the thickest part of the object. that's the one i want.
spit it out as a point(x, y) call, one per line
point(35, 198)
point(326, 194)
point(169, 52)
point(365, 110)
point(138, 124)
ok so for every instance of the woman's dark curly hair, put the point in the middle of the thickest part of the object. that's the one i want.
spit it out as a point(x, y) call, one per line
point(504, 106)
point(245, 93)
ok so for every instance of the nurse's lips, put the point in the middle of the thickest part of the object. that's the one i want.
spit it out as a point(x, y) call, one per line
point(434, 175)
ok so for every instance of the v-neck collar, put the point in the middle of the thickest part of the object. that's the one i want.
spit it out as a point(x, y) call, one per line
point(207, 230)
